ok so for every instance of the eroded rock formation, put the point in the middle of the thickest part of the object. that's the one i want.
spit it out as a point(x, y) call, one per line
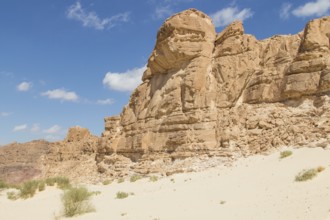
point(222, 94)
point(73, 157)
point(203, 94)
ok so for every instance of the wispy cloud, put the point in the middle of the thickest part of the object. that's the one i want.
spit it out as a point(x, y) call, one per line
point(165, 8)
point(91, 19)
point(35, 128)
point(313, 8)
point(24, 86)
point(126, 81)
point(55, 129)
point(163, 12)
point(61, 94)
point(22, 127)
point(5, 114)
point(226, 16)
point(285, 11)
point(105, 102)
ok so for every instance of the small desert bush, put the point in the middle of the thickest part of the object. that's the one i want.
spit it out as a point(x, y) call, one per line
point(222, 202)
point(3, 185)
point(285, 154)
point(122, 195)
point(12, 195)
point(135, 178)
point(28, 189)
point(106, 182)
point(50, 181)
point(76, 201)
point(121, 180)
point(61, 182)
point(320, 169)
point(153, 179)
point(42, 185)
point(306, 175)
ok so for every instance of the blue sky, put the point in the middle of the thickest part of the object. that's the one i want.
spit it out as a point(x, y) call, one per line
point(73, 62)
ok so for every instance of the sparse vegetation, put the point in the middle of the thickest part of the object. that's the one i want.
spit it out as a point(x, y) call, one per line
point(135, 178)
point(122, 195)
point(12, 195)
point(96, 193)
point(42, 186)
point(3, 185)
point(306, 175)
point(320, 169)
point(106, 182)
point(28, 189)
point(121, 180)
point(153, 179)
point(76, 201)
point(222, 202)
point(61, 182)
point(285, 154)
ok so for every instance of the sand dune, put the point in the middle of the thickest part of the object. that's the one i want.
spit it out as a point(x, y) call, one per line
point(258, 187)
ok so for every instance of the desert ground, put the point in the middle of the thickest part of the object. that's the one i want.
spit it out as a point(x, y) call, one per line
point(256, 187)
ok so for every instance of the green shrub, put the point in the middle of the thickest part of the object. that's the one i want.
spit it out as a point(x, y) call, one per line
point(28, 189)
point(306, 175)
point(106, 182)
point(50, 181)
point(3, 184)
point(135, 178)
point(76, 201)
point(95, 193)
point(286, 153)
point(61, 182)
point(122, 195)
point(121, 180)
point(320, 169)
point(12, 195)
point(153, 179)
point(42, 185)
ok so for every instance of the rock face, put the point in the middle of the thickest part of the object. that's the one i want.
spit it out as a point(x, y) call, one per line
point(74, 157)
point(223, 94)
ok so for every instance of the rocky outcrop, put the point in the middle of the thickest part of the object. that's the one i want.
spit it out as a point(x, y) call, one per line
point(222, 94)
point(74, 157)
point(203, 94)
point(19, 162)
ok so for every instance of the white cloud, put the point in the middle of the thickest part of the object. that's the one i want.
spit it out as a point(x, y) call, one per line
point(53, 130)
point(61, 94)
point(20, 127)
point(163, 12)
point(35, 128)
point(314, 8)
point(91, 19)
point(228, 15)
point(53, 138)
point(5, 114)
point(105, 102)
point(126, 81)
point(24, 86)
point(285, 11)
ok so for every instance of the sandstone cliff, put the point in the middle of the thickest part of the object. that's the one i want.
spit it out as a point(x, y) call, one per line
point(203, 94)
point(73, 157)
point(225, 94)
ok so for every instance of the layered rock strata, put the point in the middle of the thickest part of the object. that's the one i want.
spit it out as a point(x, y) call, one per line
point(73, 157)
point(222, 94)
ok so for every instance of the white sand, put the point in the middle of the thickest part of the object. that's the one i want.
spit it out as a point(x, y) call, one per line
point(258, 187)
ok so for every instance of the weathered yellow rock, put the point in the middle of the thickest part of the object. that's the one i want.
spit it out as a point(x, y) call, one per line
point(221, 94)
